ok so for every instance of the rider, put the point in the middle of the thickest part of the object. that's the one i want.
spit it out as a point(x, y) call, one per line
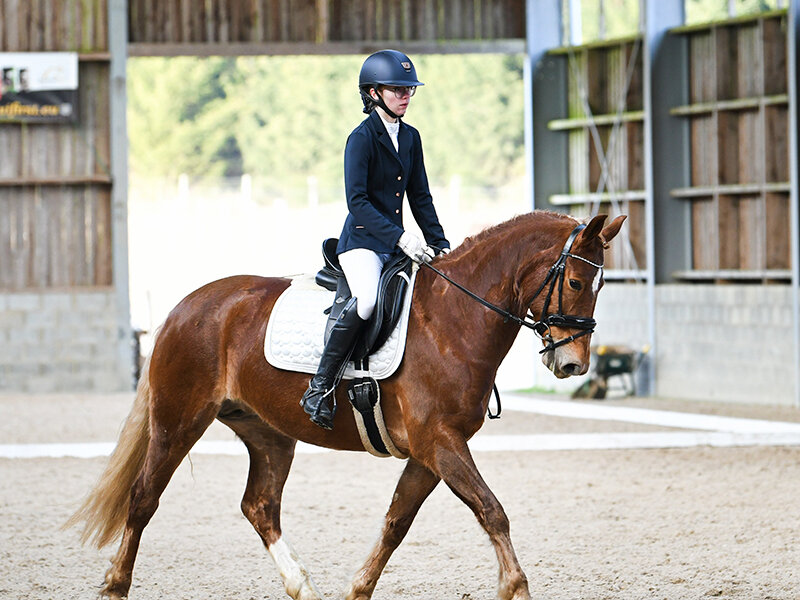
point(382, 162)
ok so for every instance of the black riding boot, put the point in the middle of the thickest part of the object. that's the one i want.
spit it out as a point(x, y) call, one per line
point(336, 353)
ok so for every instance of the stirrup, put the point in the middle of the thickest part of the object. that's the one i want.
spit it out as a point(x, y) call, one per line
point(315, 413)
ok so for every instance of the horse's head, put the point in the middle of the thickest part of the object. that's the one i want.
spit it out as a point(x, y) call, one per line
point(564, 307)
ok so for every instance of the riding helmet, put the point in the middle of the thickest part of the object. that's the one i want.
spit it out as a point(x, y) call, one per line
point(387, 67)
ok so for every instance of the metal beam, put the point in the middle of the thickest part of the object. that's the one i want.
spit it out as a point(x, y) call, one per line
point(545, 83)
point(118, 131)
point(666, 165)
point(794, 194)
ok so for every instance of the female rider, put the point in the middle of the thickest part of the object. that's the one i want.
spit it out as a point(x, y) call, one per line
point(382, 163)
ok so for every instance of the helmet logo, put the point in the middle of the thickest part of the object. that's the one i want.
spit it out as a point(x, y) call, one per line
point(406, 65)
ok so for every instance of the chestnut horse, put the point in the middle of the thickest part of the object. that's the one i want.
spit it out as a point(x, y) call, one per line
point(208, 363)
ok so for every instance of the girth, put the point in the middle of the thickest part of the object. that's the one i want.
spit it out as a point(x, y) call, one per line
point(392, 288)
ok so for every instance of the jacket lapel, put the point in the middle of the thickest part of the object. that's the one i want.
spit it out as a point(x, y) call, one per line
point(383, 135)
point(404, 141)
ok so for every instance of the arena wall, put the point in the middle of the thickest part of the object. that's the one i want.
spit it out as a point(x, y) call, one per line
point(61, 341)
point(714, 342)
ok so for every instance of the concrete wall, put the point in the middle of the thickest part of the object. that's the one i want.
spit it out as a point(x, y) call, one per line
point(61, 341)
point(714, 342)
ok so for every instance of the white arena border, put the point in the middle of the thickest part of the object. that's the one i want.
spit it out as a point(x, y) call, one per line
point(705, 430)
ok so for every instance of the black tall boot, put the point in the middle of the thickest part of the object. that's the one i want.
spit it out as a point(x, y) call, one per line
point(334, 357)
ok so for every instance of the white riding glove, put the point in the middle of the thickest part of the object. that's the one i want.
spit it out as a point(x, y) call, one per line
point(414, 248)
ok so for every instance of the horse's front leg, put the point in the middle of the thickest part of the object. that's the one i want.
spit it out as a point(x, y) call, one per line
point(415, 485)
point(452, 461)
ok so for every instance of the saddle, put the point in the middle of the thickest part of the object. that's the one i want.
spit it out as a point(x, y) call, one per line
point(364, 391)
point(392, 288)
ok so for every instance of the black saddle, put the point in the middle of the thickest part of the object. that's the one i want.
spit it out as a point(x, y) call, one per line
point(392, 289)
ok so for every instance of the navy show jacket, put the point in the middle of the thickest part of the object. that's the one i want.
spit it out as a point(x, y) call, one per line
point(375, 178)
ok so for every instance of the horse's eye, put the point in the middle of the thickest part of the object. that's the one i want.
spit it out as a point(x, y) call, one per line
point(575, 285)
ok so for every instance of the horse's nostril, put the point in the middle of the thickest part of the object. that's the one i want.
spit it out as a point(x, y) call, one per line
point(572, 368)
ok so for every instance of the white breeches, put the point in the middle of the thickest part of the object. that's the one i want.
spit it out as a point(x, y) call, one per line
point(362, 268)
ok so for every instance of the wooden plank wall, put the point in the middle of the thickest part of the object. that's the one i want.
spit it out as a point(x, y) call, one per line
point(740, 150)
point(602, 72)
point(256, 21)
point(55, 184)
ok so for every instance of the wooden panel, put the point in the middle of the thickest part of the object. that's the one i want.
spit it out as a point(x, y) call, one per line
point(704, 152)
point(637, 233)
point(750, 149)
point(705, 250)
point(635, 96)
point(172, 22)
point(579, 144)
point(597, 82)
point(776, 143)
point(752, 234)
point(618, 256)
point(702, 84)
point(740, 154)
point(749, 67)
point(728, 237)
point(44, 25)
point(635, 132)
point(778, 253)
point(54, 179)
point(775, 56)
point(726, 59)
point(728, 147)
point(55, 237)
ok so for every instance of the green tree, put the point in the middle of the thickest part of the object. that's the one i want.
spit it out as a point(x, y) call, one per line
point(178, 120)
point(286, 118)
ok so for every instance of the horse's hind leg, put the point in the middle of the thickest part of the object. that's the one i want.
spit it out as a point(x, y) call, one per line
point(171, 437)
point(271, 455)
point(415, 485)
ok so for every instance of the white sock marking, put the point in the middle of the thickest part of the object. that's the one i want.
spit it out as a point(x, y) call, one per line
point(296, 579)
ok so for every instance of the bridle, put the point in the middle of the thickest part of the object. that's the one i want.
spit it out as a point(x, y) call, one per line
point(542, 327)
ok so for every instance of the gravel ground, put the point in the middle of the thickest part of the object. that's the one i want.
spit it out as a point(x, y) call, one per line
point(613, 524)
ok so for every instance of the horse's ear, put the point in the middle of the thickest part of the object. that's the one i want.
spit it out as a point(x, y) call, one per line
point(592, 230)
point(612, 229)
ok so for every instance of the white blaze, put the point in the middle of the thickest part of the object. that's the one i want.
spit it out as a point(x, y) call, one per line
point(596, 281)
point(295, 577)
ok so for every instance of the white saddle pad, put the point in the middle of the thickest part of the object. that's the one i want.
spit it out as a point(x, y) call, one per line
point(296, 331)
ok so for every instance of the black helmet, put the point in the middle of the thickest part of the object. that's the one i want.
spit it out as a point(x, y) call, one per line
point(387, 67)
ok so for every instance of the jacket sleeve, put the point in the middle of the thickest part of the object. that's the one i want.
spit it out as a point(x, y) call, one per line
point(421, 201)
point(356, 178)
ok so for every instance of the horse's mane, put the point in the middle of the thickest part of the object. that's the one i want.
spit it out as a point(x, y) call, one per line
point(520, 222)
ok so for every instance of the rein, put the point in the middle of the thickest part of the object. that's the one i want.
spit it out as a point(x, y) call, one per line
point(542, 327)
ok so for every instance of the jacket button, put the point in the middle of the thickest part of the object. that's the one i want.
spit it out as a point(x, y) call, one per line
point(399, 177)
point(397, 211)
point(397, 194)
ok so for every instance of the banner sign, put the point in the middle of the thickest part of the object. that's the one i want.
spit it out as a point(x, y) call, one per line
point(38, 87)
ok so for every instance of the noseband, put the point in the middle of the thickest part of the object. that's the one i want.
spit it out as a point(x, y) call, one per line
point(542, 327)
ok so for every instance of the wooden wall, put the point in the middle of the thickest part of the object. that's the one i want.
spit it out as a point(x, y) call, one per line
point(604, 124)
point(739, 120)
point(163, 26)
point(55, 182)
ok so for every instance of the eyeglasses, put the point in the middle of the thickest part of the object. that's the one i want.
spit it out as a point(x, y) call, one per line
point(401, 91)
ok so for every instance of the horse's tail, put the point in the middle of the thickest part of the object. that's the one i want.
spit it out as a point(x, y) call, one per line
point(105, 510)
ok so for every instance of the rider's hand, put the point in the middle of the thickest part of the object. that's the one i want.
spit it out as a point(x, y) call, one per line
point(414, 248)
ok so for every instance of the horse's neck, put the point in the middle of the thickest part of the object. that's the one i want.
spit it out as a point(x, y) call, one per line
point(488, 270)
